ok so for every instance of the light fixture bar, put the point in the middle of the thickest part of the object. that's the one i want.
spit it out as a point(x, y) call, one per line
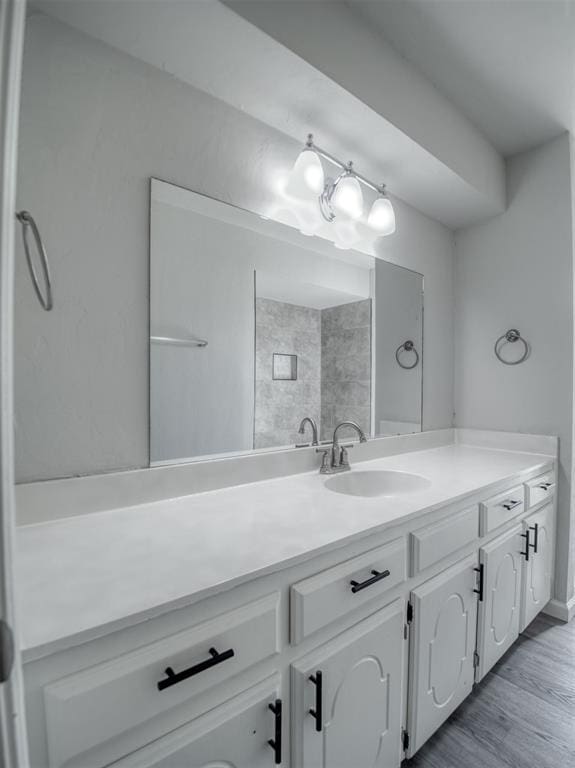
point(379, 188)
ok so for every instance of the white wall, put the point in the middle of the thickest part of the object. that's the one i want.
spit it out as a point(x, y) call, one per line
point(516, 271)
point(95, 126)
point(359, 95)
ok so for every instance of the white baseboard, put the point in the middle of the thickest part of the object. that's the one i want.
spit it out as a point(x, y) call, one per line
point(562, 611)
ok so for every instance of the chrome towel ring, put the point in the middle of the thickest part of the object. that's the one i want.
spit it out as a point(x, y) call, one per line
point(407, 346)
point(26, 219)
point(511, 336)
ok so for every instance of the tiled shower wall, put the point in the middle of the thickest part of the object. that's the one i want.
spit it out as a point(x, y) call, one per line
point(346, 366)
point(281, 405)
point(333, 348)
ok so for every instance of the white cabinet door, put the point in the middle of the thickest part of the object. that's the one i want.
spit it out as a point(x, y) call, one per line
point(234, 735)
point(538, 569)
point(442, 643)
point(355, 695)
point(499, 603)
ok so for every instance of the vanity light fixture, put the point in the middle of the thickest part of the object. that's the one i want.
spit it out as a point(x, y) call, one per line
point(306, 179)
point(341, 198)
point(382, 216)
point(346, 234)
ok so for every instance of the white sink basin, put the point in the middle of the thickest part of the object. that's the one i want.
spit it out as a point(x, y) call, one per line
point(377, 483)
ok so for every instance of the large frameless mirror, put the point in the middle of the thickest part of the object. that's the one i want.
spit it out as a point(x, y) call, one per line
point(255, 328)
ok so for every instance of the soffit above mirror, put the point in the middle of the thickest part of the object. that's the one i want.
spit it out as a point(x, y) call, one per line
point(218, 51)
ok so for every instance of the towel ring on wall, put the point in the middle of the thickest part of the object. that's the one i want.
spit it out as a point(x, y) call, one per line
point(26, 219)
point(511, 336)
point(407, 346)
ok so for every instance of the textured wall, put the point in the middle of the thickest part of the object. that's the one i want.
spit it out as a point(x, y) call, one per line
point(346, 366)
point(95, 125)
point(281, 405)
point(516, 271)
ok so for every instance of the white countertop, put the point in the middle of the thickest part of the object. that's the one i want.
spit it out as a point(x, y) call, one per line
point(110, 569)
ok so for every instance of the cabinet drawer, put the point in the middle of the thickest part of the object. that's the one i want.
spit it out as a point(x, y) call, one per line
point(540, 489)
point(431, 544)
point(90, 707)
point(234, 734)
point(502, 508)
point(329, 595)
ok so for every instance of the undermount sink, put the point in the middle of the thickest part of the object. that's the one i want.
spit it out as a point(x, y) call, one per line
point(377, 483)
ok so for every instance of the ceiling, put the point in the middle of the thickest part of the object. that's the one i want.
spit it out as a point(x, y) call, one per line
point(508, 65)
point(277, 287)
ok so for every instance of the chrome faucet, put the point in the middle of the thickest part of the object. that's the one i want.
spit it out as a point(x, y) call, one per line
point(313, 425)
point(336, 459)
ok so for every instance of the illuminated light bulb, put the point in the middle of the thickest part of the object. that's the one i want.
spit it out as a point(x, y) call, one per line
point(382, 216)
point(306, 180)
point(348, 198)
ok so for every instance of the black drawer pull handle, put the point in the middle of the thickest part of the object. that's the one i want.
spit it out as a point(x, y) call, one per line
point(527, 545)
point(481, 572)
point(276, 742)
point(535, 544)
point(510, 504)
point(172, 678)
point(317, 713)
point(357, 586)
point(544, 486)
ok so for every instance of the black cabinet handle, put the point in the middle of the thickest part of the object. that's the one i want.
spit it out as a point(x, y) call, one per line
point(172, 678)
point(527, 545)
point(317, 713)
point(544, 486)
point(276, 742)
point(481, 572)
point(357, 586)
point(511, 504)
point(535, 544)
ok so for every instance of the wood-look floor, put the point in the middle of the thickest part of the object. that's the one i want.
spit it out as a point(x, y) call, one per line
point(521, 715)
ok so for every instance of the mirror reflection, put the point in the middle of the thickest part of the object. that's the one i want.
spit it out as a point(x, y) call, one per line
point(262, 338)
point(398, 350)
point(326, 334)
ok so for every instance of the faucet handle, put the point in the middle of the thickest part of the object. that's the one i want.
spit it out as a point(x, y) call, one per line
point(343, 457)
point(324, 469)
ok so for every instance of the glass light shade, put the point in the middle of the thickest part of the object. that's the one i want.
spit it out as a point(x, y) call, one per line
point(306, 179)
point(348, 198)
point(346, 234)
point(308, 219)
point(382, 217)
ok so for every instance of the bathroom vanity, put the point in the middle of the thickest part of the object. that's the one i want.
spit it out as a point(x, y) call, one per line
point(282, 622)
point(195, 586)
